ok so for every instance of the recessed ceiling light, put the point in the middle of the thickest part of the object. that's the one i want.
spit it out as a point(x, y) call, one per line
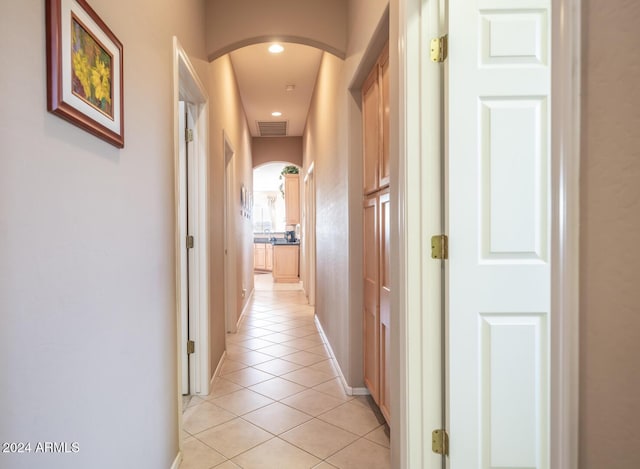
point(276, 114)
point(275, 48)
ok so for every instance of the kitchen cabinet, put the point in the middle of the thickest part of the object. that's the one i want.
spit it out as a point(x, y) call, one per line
point(371, 131)
point(377, 298)
point(259, 256)
point(384, 227)
point(292, 198)
point(384, 174)
point(376, 231)
point(262, 256)
point(375, 126)
point(286, 263)
point(268, 257)
point(371, 320)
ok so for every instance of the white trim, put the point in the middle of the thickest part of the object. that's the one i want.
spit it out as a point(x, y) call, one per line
point(309, 171)
point(245, 308)
point(216, 373)
point(230, 322)
point(177, 461)
point(188, 87)
point(416, 185)
point(191, 90)
point(182, 232)
point(350, 391)
point(202, 340)
point(359, 391)
point(565, 230)
point(308, 241)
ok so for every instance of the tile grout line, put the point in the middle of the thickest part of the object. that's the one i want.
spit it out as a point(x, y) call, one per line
point(300, 320)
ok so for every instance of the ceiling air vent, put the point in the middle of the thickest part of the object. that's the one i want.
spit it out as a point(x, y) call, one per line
point(272, 129)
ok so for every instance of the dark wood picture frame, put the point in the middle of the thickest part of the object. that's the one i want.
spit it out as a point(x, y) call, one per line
point(101, 113)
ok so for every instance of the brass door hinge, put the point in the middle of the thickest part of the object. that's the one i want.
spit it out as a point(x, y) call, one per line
point(439, 49)
point(190, 242)
point(191, 346)
point(188, 135)
point(440, 247)
point(440, 442)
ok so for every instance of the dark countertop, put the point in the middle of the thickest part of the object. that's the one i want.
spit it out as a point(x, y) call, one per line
point(276, 242)
point(282, 242)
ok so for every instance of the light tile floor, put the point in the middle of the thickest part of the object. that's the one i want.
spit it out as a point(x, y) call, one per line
point(278, 403)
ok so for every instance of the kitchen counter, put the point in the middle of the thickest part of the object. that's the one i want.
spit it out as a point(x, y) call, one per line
point(275, 242)
point(286, 262)
point(282, 242)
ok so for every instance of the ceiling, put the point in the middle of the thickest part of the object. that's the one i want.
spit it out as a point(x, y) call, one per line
point(263, 78)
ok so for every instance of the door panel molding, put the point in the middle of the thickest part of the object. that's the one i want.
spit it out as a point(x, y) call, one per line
point(370, 304)
point(498, 272)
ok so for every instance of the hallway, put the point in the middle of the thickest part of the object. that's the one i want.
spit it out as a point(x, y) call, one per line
point(278, 402)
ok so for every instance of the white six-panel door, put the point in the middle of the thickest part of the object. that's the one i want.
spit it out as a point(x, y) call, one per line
point(498, 191)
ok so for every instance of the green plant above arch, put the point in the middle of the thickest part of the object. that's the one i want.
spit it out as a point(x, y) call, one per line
point(287, 170)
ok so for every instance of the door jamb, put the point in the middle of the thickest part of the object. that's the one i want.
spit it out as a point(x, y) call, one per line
point(417, 206)
point(187, 374)
point(230, 305)
point(566, 16)
point(188, 87)
point(310, 235)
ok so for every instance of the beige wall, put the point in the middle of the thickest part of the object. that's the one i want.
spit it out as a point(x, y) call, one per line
point(277, 149)
point(610, 238)
point(87, 274)
point(227, 114)
point(321, 146)
point(318, 23)
point(332, 140)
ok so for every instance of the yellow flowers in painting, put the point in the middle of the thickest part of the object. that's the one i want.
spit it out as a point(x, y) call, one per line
point(91, 70)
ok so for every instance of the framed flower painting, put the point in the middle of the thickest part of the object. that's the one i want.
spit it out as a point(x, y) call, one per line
point(84, 70)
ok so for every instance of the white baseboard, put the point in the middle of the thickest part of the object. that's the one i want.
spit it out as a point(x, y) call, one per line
point(177, 461)
point(216, 373)
point(362, 391)
point(245, 308)
point(218, 368)
point(350, 391)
